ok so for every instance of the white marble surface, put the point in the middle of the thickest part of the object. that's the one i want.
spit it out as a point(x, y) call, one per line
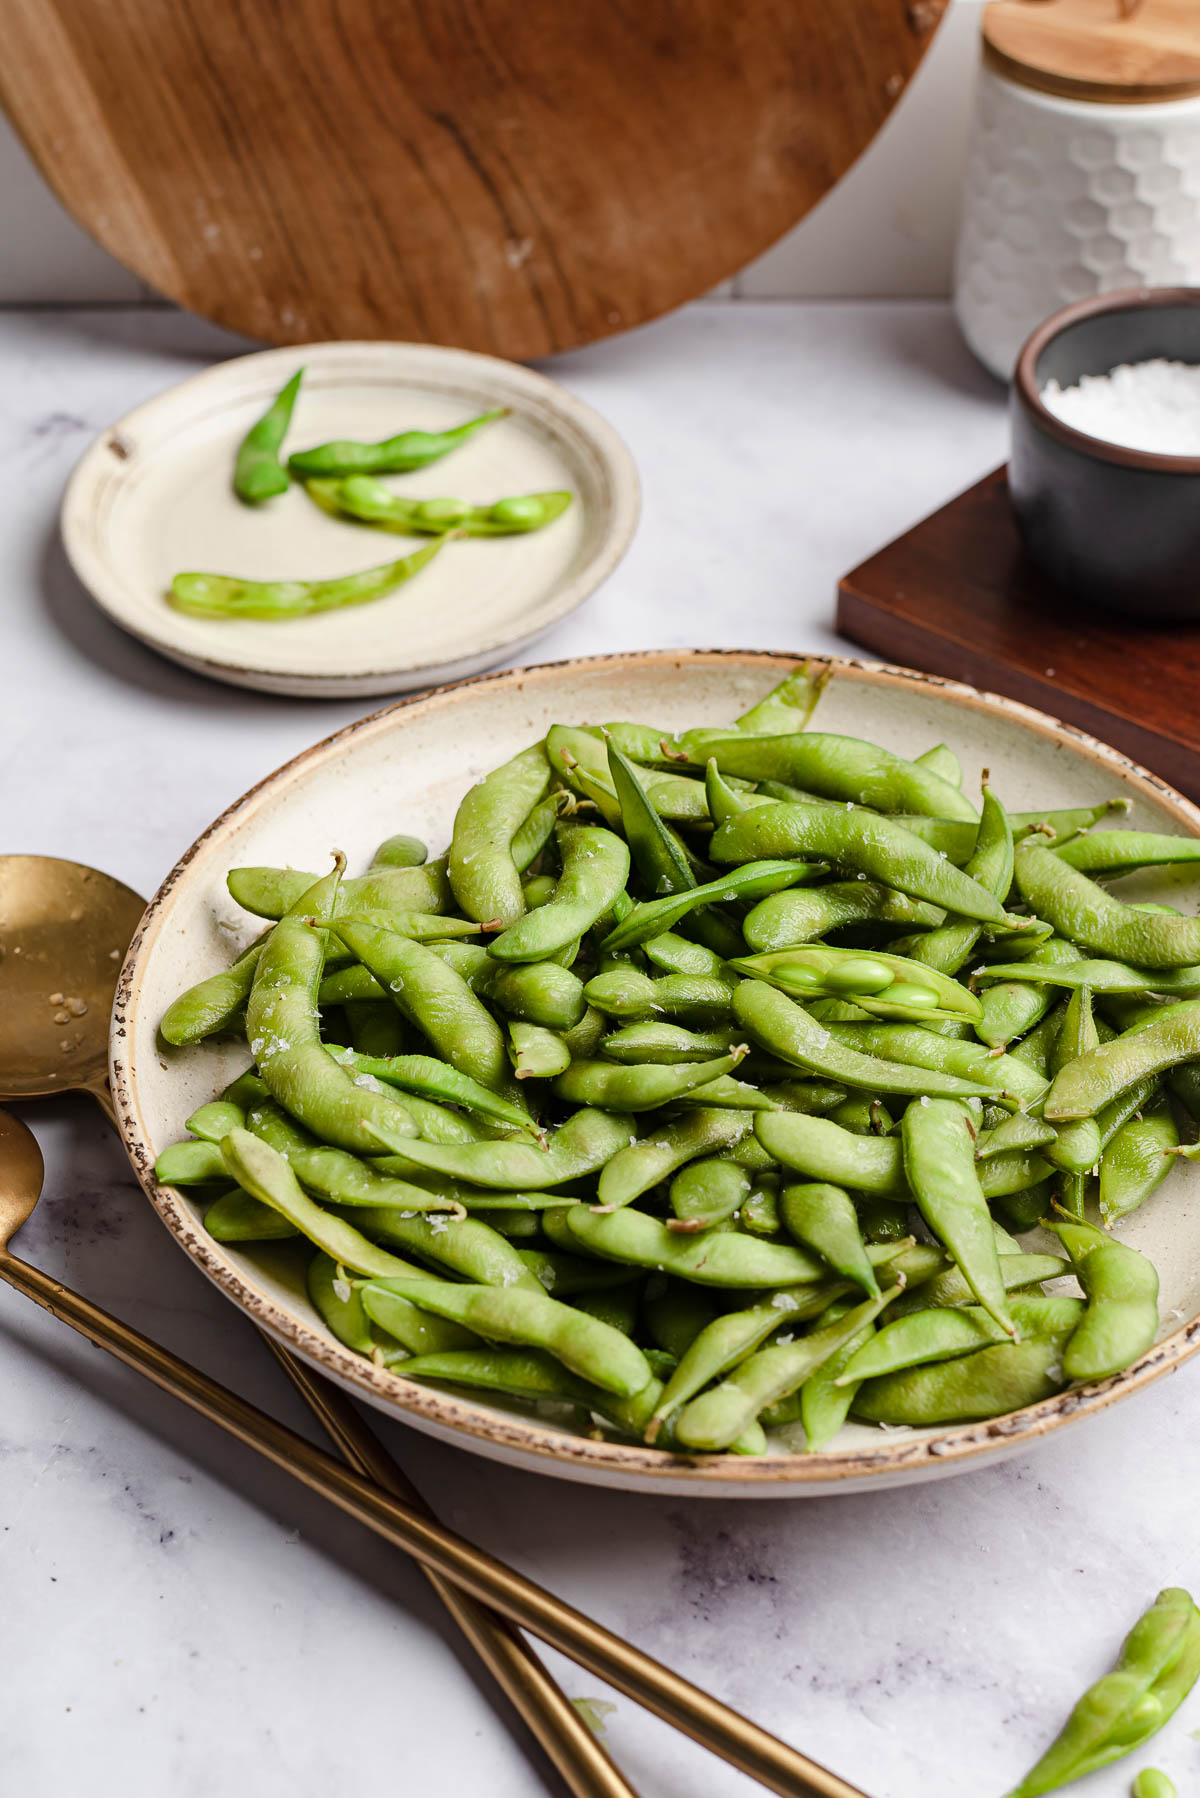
point(176, 1619)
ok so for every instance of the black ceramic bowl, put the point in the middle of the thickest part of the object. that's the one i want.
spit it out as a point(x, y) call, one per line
point(1117, 527)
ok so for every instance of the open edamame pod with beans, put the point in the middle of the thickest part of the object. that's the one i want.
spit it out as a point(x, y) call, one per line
point(635, 1099)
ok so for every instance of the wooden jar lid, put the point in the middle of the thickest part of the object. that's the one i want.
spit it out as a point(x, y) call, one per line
point(1097, 49)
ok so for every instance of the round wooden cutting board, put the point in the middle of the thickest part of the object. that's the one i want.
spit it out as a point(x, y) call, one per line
point(514, 176)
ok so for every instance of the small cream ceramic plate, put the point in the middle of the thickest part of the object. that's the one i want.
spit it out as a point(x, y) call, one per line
point(406, 769)
point(153, 497)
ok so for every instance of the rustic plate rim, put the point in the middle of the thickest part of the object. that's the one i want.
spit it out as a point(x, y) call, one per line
point(474, 1425)
point(83, 538)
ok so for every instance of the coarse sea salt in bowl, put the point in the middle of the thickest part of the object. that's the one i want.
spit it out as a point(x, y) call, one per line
point(1105, 465)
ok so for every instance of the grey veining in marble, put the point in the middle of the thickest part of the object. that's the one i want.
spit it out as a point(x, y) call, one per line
point(176, 1618)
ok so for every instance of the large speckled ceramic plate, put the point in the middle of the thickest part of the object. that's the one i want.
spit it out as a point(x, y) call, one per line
point(405, 769)
point(152, 497)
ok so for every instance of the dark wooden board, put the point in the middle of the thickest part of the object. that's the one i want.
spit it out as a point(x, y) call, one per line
point(514, 176)
point(958, 596)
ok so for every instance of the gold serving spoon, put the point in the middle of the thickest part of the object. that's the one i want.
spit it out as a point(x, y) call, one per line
point(64, 930)
point(42, 913)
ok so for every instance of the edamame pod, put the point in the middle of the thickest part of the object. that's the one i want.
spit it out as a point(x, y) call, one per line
point(529, 1319)
point(270, 892)
point(1092, 919)
point(1122, 851)
point(834, 767)
point(207, 595)
point(1121, 1288)
point(824, 1151)
point(1081, 1088)
point(595, 868)
point(988, 1383)
point(283, 1031)
point(717, 1417)
point(579, 1147)
point(258, 474)
point(922, 1338)
point(1157, 1668)
point(786, 1030)
point(394, 455)
point(786, 920)
point(875, 846)
point(726, 1341)
point(639, 1165)
point(938, 1141)
point(643, 1087)
point(484, 877)
point(433, 996)
point(213, 1004)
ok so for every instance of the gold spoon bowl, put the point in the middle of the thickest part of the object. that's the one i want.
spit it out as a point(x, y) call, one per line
point(64, 930)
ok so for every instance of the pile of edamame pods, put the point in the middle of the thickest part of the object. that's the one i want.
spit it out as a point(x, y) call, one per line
point(707, 1083)
point(342, 478)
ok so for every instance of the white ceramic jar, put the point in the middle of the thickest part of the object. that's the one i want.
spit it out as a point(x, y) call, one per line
point(1068, 197)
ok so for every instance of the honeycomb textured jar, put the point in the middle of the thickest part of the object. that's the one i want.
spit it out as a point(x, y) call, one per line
point(1068, 198)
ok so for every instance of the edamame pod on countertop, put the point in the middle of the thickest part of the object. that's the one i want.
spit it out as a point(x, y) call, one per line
point(1157, 1668)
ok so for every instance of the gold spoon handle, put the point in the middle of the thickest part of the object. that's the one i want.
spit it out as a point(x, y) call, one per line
point(566, 1739)
point(705, 1719)
point(538, 1699)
